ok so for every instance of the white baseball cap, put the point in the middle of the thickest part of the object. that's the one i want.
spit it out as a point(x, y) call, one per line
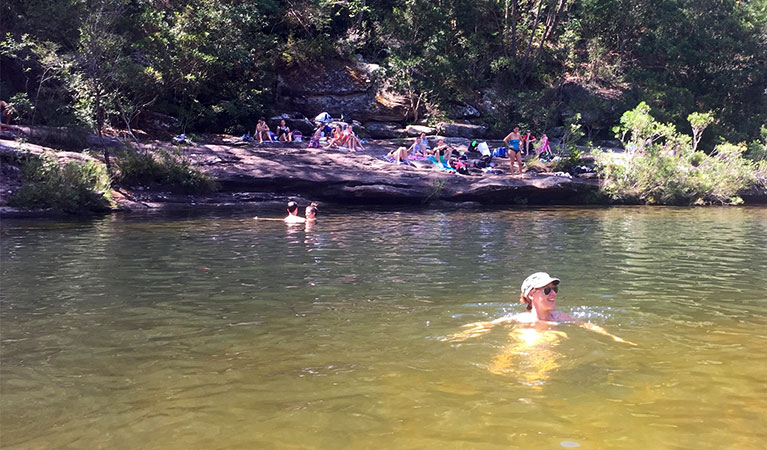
point(537, 280)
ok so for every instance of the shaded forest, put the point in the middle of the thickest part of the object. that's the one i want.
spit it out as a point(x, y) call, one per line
point(214, 64)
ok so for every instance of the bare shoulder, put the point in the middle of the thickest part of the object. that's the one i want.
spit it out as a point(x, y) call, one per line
point(562, 317)
point(524, 317)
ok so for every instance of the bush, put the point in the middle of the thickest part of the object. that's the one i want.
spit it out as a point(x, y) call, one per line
point(657, 177)
point(566, 164)
point(70, 188)
point(172, 170)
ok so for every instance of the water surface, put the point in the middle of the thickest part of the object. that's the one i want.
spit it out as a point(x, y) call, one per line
point(225, 332)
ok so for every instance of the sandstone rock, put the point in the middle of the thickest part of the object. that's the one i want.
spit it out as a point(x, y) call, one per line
point(341, 88)
point(304, 125)
point(416, 130)
point(462, 111)
point(461, 130)
point(384, 130)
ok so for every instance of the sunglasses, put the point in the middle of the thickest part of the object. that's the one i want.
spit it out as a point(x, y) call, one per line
point(547, 290)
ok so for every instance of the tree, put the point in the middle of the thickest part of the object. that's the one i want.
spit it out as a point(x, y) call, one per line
point(699, 122)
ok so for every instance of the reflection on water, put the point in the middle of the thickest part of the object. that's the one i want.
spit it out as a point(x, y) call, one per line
point(531, 356)
point(211, 331)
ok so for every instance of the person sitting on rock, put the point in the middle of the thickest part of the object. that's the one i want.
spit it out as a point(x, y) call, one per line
point(283, 132)
point(6, 113)
point(337, 139)
point(352, 141)
point(544, 150)
point(262, 131)
point(314, 142)
point(420, 147)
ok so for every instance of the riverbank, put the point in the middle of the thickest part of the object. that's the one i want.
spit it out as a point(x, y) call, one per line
point(250, 174)
point(247, 173)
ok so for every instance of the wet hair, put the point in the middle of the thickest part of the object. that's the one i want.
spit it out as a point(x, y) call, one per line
point(311, 209)
point(292, 206)
point(523, 300)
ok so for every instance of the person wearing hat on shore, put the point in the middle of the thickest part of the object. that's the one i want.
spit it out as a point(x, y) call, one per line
point(292, 216)
point(539, 292)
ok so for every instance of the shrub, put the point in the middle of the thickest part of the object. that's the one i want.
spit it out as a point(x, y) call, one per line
point(172, 170)
point(566, 164)
point(657, 177)
point(70, 188)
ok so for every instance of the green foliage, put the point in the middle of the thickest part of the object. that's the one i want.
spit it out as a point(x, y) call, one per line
point(686, 178)
point(171, 170)
point(665, 167)
point(20, 106)
point(757, 149)
point(214, 64)
point(72, 187)
point(574, 158)
point(699, 122)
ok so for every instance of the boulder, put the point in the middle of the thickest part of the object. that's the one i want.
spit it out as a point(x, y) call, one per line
point(416, 130)
point(462, 111)
point(341, 88)
point(465, 130)
point(384, 130)
point(295, 122)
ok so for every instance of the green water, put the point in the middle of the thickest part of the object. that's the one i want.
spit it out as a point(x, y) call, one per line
point(225, 332)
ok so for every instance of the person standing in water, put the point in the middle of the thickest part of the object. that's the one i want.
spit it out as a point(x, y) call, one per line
point(310, 213)
point(292, 216)
point(513, 141)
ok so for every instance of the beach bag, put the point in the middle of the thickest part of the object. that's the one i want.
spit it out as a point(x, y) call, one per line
point(500, 152)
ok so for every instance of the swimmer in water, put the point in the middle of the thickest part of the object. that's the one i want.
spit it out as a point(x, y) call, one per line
point(311, 213)
point(539, 293)
point(292, 216)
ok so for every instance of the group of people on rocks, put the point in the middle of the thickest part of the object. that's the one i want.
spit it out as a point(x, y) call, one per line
point(338, 136)
point(283, 133)
point(443, 156)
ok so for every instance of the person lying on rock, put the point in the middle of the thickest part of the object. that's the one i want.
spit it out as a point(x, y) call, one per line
point(398, 155)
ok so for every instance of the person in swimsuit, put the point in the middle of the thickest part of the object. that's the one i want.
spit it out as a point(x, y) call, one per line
point(528, 140)
point(283, 132)
point(399, 155)
point(539, 293)
point(513, 141)
point(419, 147)
point(262, 131)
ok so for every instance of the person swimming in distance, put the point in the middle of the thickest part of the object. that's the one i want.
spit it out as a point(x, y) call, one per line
point(292, 216)
point(311, 213)
point(539, 292)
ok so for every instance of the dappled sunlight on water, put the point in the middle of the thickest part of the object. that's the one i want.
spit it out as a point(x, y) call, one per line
point(198, 332)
